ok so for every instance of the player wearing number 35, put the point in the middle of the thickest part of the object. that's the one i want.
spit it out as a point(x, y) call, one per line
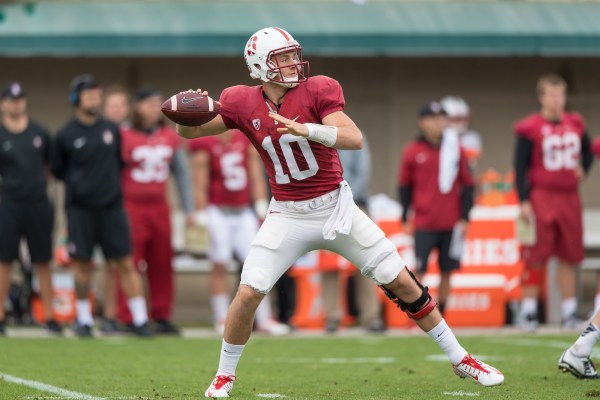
point(553, 153)
point(297, 123)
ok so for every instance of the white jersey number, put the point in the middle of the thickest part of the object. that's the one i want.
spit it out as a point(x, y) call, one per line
point(561, 151)
point(153, 163)
point(234, 173)
point(285, 140)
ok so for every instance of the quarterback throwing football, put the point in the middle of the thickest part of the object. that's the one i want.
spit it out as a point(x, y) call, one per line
point(297, 123)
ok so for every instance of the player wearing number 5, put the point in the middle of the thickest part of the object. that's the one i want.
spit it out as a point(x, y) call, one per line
point(296, 123)
point(552, 155)
point(150, 151)
point(228, 178)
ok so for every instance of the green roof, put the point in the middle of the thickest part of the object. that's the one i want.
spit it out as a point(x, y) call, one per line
point(333, 28)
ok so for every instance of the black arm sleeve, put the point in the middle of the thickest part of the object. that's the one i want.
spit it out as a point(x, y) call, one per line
point(587, 157)
point(466, 201)
point(405, 193)
point(522, 163)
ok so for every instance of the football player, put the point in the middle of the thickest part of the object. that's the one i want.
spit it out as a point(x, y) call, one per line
point(150, 151)
point(227, 175)
point(296, 123)
point(553, 154)
point(459, 118)
point(576, 359)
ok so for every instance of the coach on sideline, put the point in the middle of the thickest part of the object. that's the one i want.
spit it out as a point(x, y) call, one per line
point(24, 206)
point(87, 158)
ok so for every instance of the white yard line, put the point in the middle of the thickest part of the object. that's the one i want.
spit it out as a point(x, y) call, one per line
point(468, 394)
point(270, 395)
point(66, 394)
point(328, 360)
point(555, 344)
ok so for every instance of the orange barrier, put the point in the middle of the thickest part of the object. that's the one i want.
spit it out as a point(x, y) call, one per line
point(63, 301)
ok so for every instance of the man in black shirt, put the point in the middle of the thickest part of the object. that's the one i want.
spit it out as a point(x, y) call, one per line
point(87, 158)
point(24, 206)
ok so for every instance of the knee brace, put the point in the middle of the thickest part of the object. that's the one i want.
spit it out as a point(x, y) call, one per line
point(418, 308)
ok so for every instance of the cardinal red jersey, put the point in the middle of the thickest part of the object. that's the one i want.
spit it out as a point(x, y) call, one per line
point(147, 159)
point(229, 177)
point(419, 169)
point(556, 150)
point(596, 147)
point(298, 168)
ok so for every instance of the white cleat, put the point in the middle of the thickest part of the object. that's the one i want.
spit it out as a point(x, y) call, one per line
point(528, 323)
point(581, 367)
point(220, 386)
point(480, 372)
point(273, 327)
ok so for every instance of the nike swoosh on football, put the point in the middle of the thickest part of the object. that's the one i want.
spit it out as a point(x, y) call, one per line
point(186, 100)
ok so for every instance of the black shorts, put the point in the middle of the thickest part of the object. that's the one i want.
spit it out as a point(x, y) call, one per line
point(34, 221)
point(108, 228)
point(425, 241)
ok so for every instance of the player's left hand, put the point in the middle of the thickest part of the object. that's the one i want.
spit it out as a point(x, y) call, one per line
point(291, 126)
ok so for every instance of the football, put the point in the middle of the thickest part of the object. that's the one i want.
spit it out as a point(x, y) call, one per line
point(190, 108)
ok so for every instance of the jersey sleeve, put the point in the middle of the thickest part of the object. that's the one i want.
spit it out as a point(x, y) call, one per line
point(464, 171)
point(232, 100)
point(596, 146)
point(579, 121)
point(522, 128)
point(329, 96)
point(405, 170)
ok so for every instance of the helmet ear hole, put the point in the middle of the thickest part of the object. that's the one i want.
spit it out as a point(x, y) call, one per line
point(257, 66)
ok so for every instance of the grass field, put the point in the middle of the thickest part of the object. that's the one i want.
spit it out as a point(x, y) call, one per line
point(368, 367)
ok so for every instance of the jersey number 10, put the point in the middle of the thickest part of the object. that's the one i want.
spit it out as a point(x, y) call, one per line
point(292, 166)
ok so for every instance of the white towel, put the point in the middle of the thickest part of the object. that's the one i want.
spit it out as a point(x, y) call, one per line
point(340, 221)
point(449, 160)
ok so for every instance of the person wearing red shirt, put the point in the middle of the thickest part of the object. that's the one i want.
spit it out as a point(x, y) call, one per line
point(297, 123)
point(150, 151)
point(552, 156)
point(228, 178)
point(435, 182)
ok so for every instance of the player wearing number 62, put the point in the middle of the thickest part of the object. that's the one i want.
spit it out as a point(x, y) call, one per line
point(297, 123)
point(553, 153)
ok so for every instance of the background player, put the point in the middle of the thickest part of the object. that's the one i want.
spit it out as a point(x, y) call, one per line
point(150, 149)
point(227, 176)
point(459, 118)
point(552, 155)
point(435, 183)
point(296, 123)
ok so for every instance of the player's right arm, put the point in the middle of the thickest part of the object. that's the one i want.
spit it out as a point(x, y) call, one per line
point(522, 163)
point(212, 127)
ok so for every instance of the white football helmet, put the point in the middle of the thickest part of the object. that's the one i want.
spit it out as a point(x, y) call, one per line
point(259, 52)
point(458, 111)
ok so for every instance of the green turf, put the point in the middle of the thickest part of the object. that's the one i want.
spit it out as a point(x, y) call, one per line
point(311, 368)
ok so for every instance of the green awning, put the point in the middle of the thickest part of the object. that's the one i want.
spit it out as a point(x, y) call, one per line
point(332, 28)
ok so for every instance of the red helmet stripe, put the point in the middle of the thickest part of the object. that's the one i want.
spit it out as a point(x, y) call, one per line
point(286, 37)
